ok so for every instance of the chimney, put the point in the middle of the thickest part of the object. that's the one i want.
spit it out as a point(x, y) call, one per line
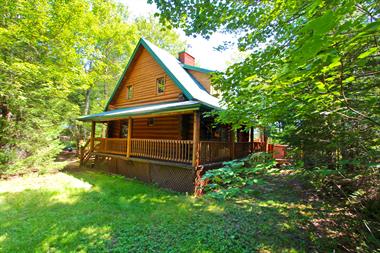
point(186, 58)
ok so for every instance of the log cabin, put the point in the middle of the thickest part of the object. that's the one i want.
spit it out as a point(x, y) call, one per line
point(157, 129)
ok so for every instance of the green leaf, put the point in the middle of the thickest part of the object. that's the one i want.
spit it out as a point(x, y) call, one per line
point(367, 53)
point(321, 86)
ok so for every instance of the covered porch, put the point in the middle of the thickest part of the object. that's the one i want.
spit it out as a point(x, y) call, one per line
point(172, 132)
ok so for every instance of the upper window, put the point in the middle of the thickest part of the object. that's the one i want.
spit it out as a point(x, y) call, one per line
point(129, 92)
point(160, 82)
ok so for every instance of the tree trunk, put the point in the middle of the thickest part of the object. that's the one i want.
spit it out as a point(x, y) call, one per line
point(87, 102)
point(87, 109)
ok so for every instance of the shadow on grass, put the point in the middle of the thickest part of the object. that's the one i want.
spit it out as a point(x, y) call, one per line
point(92, 211)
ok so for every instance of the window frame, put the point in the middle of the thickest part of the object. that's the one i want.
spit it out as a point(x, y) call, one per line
point(129, 88)
point(162, 77)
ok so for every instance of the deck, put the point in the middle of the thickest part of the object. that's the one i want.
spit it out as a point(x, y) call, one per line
point(176, 151)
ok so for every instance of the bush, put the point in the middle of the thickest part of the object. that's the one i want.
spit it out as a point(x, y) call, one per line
point(237, 177)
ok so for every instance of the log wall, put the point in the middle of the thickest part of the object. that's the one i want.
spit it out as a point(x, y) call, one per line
point(177, 127)
point(201, 77)
point(142, 75)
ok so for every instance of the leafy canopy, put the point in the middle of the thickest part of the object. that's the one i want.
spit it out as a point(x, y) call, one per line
point(59, 60)
point(312, 76)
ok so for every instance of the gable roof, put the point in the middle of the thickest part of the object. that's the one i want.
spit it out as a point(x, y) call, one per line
point(175, 70)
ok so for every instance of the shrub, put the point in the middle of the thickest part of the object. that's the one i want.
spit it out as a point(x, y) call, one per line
point(237, 177)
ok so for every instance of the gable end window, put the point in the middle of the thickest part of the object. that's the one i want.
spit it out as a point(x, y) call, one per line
point(160, 83)
point(129, 92)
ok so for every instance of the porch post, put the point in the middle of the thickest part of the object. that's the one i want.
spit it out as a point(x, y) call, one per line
point(232, 144)
point(196, 138)
point(264, 139)
point(252, 136)
point(92, 135)
point(129, 137)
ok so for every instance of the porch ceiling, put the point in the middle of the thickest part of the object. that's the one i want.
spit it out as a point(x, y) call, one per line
point(155, 109)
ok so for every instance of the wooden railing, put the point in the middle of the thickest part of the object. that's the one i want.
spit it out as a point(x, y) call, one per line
point(111, 145)
point(85, 152)
point(214, 151)
point(171, 150)
point(175, 150)
point(258, 146)
point(242, 149)
point(217, 151)
point(279, 151)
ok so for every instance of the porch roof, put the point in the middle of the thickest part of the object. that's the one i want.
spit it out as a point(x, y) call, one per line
point(154, 109)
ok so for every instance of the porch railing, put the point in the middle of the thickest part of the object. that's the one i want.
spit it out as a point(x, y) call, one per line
point(242, 149)
point(178, 150)
point(214, 151)
point(171, 150)
point(111, 145)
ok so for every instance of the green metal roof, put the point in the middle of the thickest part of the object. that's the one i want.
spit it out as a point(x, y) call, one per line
point(144, 110)
point(203, 70)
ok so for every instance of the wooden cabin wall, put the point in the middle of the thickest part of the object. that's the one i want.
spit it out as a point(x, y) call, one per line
point(113, 129)
point(201, 77)
point(242, 136)
point(142, 75)
point(178, 127)
point(187, 127)
point(163, 128)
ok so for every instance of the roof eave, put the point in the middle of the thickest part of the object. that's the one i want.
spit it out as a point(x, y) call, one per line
point(97, 117)
point(199, 69)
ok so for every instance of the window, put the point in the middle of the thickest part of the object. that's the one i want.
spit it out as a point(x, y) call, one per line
point(160, 82)
point(129, 92)
point(124, 130)
point(150, 122)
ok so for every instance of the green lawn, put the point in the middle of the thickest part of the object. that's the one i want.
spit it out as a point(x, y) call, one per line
point(89, 211)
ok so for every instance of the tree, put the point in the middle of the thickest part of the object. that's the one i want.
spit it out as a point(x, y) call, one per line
point(312, 75)
point(59, 60)
point(312, 78)
point(39, 69)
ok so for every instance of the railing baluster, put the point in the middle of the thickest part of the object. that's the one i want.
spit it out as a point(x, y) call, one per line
point(174, 150)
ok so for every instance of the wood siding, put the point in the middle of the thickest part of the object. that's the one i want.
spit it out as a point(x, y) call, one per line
point(142, 75)
point(201, 77)
point(114, 128)
point(169, 127)
point(163, 128)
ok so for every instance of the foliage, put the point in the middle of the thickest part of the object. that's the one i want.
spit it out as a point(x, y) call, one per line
point(358, 194)
point(59, 60)
point(312, 75)
point(87, 211)
point(237, 177)
point(312, 78)
point(39, 69)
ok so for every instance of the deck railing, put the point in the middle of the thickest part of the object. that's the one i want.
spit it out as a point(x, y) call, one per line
point(242, 149)
point(171, 150)
point(214, 151)
point(258, 146)
point(111, 145)
point(85, 152)
point(178, 150)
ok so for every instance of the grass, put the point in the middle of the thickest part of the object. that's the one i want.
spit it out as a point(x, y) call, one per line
point(87, 211)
